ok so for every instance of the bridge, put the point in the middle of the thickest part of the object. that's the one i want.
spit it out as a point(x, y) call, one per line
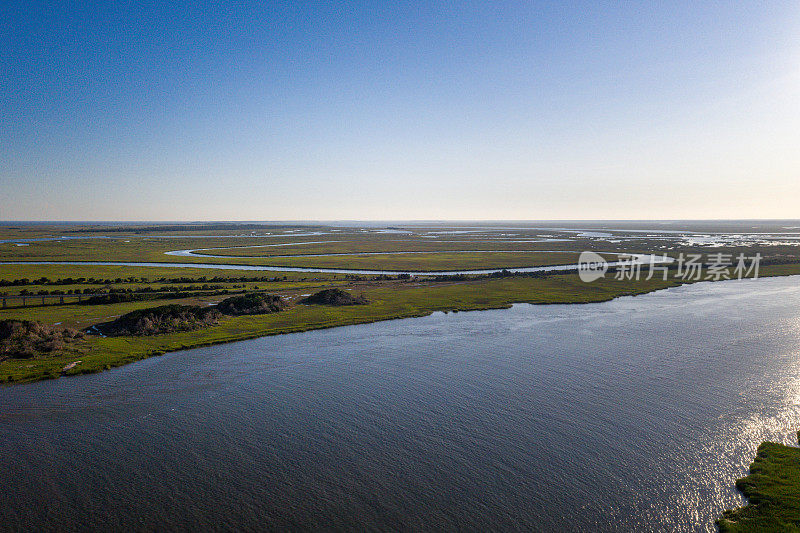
point(28, 300)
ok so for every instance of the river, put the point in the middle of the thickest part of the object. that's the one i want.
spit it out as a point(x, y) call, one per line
point(634, 414)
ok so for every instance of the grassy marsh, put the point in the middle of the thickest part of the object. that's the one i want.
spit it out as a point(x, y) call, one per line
point(773, 491)
point(388, 298)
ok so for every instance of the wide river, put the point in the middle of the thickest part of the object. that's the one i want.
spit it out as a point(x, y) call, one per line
point(635, 414)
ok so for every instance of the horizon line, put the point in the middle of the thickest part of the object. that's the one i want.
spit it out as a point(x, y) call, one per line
point(394, 221)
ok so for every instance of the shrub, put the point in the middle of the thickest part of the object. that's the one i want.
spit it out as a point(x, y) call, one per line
point(112, 298)
point(162, 319)
point(333, 297)
point(26, 339)
point(252, 304)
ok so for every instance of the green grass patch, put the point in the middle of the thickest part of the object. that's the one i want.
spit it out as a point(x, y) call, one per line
point(773, 491)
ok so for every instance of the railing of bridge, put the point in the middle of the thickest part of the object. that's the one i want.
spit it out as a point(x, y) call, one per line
point(10, 301)
point(28, 300)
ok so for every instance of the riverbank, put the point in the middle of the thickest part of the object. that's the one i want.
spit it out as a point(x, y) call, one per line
point(387, 301)
point(773, 491)
point(479, 407)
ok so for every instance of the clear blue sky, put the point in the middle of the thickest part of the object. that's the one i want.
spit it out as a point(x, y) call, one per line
point(425, 110)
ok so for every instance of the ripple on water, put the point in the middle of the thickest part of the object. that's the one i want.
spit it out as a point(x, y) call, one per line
point(635, 414)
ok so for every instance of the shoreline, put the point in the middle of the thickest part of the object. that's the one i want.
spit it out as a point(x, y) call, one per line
point(414, 302)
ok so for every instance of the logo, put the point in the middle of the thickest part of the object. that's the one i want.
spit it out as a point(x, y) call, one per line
point(591, 266)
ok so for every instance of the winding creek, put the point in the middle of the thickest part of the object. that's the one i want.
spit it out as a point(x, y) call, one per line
point(642, 259)
point(629, 415)
point(637, 258)
point(198, 252)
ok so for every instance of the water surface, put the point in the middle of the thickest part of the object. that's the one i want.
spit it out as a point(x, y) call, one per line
point(635, 414)
point(643, 259)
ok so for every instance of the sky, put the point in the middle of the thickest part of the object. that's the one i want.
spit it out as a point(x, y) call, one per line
point(399, 110)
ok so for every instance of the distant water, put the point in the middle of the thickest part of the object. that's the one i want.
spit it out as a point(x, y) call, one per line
point(631, 415)
point(637, 258)
point(44, 239)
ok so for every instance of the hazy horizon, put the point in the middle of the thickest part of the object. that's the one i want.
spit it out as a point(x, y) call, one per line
point(660, 222)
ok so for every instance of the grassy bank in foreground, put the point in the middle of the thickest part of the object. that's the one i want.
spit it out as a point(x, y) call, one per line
point(773, 488)
point(386, 301)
